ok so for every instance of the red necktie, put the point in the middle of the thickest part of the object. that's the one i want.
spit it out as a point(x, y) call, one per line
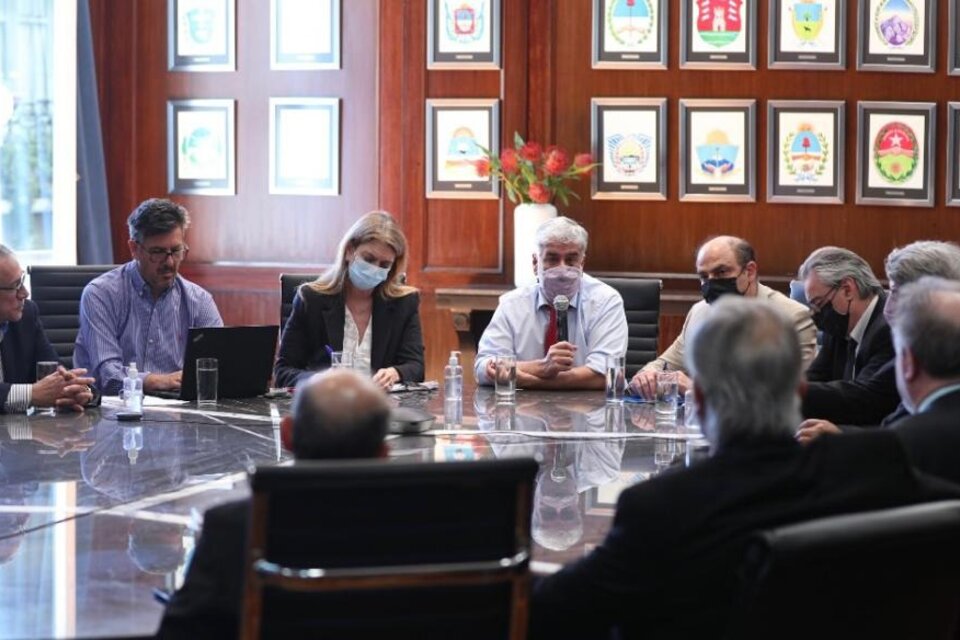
point(550, 337)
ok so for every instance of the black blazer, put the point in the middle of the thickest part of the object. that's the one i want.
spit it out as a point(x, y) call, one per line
point(871, 395)
point(669, 566)
point(24, 345)
point(208, 603)
point(317, 321)
point(932, 438)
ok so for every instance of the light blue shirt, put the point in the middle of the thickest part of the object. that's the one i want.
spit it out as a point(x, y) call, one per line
point(596, 323)
point(120, 323)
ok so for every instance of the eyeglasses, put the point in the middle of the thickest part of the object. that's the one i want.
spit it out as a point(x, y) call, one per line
point(16, 286)
point(826, 299)
point(158, 255)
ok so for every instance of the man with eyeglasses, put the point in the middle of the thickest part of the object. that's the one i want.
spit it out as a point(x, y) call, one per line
point(726, 266)
point(852, 379)
point(141, 311)
point(23, 344)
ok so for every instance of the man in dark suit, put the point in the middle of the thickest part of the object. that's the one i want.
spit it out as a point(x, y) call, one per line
point(23, 344)
point(851, 379)
point(669, 566)
point(926, 333)
point(336, 414)
point(903, 265)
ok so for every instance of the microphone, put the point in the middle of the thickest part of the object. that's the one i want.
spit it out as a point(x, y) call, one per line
point(561, 303)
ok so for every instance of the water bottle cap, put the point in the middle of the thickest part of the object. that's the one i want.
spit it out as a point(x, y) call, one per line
point(454, 358)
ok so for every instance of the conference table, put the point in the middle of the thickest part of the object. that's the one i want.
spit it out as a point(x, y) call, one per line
point(96, 513)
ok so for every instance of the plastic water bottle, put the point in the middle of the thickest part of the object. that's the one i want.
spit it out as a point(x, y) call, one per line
point(133, 390)
point(453, 378)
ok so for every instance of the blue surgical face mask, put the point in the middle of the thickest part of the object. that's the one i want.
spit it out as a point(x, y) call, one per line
point(364, 275)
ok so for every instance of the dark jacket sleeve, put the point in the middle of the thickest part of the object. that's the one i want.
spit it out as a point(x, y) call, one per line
point(865, 400)
point(821, 369)
point(208, 605)
point(295, 347)
point(24, 345)
point(409, 357)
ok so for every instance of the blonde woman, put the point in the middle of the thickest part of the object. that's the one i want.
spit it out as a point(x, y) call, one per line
point(358, 306)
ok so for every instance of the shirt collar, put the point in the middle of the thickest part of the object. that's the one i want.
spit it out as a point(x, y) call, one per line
point(927, 402)
point(861, 327)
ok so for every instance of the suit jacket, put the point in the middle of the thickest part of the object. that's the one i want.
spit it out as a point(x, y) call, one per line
point(24, 345)
point(932, 438)
point(669, 566)
point(317, 322)
point(208, 603)
point(871, 395)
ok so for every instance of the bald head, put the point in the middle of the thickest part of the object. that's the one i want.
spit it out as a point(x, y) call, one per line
point(339, 414)
point(726, 264)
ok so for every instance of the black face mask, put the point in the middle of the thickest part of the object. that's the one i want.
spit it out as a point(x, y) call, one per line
point(831, 321)
point(716, 287)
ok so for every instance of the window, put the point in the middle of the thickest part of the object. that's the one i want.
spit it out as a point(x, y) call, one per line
point(38, 130)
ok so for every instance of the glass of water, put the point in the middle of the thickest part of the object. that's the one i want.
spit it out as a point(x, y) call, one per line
point(505, 377)
point(207, 381)
point(44, 369)
point(616, 370)
point(668, 385)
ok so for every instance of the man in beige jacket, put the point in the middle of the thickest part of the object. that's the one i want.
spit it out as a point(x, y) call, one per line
point(726, 265)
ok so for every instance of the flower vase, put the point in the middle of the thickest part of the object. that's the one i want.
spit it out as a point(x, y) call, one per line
point(526, 218)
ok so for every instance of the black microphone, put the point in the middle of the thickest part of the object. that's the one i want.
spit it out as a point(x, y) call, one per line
point(561, 303)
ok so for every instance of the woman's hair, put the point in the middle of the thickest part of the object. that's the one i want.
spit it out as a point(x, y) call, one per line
point(376, 225)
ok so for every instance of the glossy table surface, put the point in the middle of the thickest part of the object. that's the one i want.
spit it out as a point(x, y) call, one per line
point(96, 513)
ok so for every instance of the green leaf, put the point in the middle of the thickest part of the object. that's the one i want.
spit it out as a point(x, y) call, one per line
point(517, 140)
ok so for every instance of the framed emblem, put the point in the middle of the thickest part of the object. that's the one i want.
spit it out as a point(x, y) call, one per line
point(629, 140)
point(953, 154)
point(718, 150)
point(304, 34)
point(807, 34)
point(895, 153)
point(718, 34)
point(630, 34)
point(463, 34)
point(805, 145)
point(201, 35)
point(457, 132)
point(897, 35)
point(200, 147)
point(953, 59)
point(305, 146)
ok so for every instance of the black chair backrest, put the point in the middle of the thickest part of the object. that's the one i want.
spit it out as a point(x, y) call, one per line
point(289, 283)
point(57, 290)
point(363, 548)
point(641, 301)
point(893, 573)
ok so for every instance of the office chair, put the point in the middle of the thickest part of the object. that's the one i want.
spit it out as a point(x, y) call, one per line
point(893, 573)
point(641, 301)
point(289, 283)
point(57, 291)
point(361, 549)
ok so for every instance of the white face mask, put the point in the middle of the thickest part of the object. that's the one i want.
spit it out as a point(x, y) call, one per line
point(559, 281)
point(366, 276)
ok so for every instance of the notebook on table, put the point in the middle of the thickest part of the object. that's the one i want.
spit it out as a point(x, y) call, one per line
point(244, 360)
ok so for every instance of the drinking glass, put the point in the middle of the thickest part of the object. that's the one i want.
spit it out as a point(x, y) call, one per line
point(341, 359)
point(668, 384)
point(505, 377)
point(207, 379)
point(45, 368)
point(616, 370)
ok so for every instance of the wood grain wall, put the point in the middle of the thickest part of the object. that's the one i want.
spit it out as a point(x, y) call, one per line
point(239, 244)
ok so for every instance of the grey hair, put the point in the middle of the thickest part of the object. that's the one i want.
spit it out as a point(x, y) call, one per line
point(745, 359)
point(562, 230)
point(927, 321)
point(156, 216)
point(923, 258)
point(833, 264)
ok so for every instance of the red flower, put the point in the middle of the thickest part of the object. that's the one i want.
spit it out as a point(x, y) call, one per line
point(508, 161)
point(556, 161)
point(530, 151)
point(483, 167)
point(539, 193)
point(582, 160)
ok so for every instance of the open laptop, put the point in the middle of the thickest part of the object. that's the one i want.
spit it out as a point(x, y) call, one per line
point(244, 355)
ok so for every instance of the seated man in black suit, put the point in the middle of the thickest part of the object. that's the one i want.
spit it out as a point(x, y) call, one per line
point(23, 344)
point(926, 333)
point(669, 566)
point(903, 265)
point(336, 414)
point(851, 379)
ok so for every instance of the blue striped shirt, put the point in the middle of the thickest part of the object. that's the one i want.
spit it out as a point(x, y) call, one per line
point(120, 322)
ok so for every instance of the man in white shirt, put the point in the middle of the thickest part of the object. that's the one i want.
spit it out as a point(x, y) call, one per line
point(525, 324)
point(726, 265)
